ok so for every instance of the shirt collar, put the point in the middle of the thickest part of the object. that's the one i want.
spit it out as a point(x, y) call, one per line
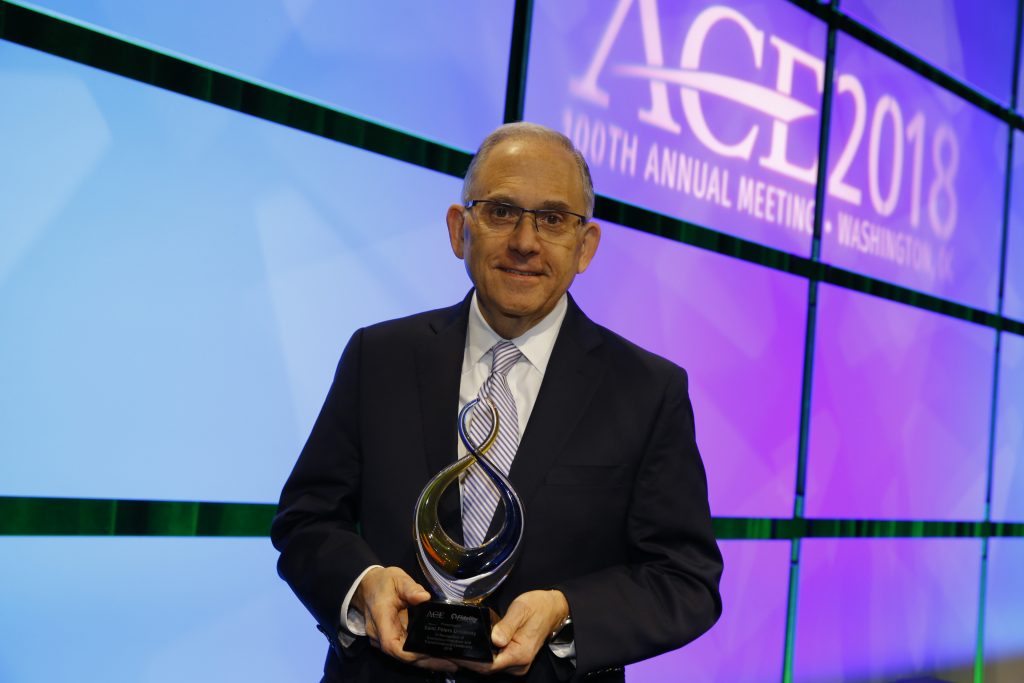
point(535, 344)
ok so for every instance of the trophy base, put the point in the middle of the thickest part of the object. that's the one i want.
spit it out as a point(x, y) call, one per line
point(450, 631)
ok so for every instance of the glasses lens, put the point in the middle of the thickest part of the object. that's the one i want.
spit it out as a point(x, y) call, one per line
point(500, 215)
point(552, 220)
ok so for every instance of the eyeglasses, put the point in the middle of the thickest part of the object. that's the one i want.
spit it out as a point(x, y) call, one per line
point(553, 225)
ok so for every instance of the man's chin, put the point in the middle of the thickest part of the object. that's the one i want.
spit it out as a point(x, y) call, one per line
point(513, 307)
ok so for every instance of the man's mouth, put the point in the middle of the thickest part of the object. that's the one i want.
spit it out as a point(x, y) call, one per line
point(524, 273)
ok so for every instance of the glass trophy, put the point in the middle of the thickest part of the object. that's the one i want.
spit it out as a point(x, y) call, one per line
point(456, 625)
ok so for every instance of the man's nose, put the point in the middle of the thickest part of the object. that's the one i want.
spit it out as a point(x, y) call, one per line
point(525, 237)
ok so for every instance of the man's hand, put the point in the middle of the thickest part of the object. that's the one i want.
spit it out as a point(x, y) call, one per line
point(523, 630)
point(383, 598)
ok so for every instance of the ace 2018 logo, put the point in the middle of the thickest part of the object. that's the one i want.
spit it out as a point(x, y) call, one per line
point(893, 167)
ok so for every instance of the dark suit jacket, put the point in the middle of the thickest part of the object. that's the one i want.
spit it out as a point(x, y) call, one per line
point(608, 470)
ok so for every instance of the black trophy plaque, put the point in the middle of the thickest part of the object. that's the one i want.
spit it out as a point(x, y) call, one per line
point(450, 631)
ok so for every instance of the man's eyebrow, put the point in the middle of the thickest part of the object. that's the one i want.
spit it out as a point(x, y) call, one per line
point(555, 204)
point(502, 198)
point(548, 204)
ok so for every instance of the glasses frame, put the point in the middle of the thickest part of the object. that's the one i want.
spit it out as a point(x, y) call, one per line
point(537, 213)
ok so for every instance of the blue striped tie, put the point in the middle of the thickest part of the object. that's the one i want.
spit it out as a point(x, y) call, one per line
point(479, 497)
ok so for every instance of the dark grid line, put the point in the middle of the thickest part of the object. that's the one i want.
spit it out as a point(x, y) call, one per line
point(807, 379)
point(979, 654)
point(519, 56)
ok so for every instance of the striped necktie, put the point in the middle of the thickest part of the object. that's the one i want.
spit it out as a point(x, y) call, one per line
point(479, 497)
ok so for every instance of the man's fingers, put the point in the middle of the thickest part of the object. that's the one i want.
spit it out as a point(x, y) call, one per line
point(387, 631)
point(393, 644)
point(523, 630)
point(390, 627)
point(409, 591)
point(383, 596)
point(388, 585)
point(515, 659)
point(513, 620)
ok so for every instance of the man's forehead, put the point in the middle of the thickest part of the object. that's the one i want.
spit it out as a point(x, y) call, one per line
point(528, 145)
point(530, 160)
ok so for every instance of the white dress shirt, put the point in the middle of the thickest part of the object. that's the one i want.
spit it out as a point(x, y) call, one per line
point(524, 380)
point(525, 377)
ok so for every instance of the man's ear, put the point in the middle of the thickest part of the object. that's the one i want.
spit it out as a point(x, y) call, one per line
point(456, 219)
point(591, 239)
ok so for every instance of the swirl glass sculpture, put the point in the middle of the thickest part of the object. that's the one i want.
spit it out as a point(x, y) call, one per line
point(459, 573)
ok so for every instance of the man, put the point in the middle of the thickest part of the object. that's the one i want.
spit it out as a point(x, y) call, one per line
point(618, 559)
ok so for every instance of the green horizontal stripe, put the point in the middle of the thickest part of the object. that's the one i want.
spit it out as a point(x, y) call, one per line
point(22, 516)
point(31, 516)
point(750, 528)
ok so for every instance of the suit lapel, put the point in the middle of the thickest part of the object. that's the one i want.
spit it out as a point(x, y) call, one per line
point(570, 381)
point(439, 372)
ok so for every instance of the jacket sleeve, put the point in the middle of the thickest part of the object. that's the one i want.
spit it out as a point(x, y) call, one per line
point(316, 526)
point(666, 592)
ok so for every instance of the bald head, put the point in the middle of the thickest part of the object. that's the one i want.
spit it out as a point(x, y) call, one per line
point(521, 130)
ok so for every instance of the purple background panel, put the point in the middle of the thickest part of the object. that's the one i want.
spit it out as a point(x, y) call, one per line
point(971, 42)
point(436, 69)
point(665, 160)
point(1008, 468)
point(899, 411)
point(747, 643)
point(158, 610)
point(952, 153)
point(738, 329)
point(1013, 295)
point(882, 609)
point(1004, 612)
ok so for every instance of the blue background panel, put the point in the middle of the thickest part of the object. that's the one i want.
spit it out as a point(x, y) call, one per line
point(1004, 612)
point(971, 43)
point(1008, 468)
point(1020, 80)
point(151, 610)
point(1013, 297)
point(182, 279)
point(437, 69)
